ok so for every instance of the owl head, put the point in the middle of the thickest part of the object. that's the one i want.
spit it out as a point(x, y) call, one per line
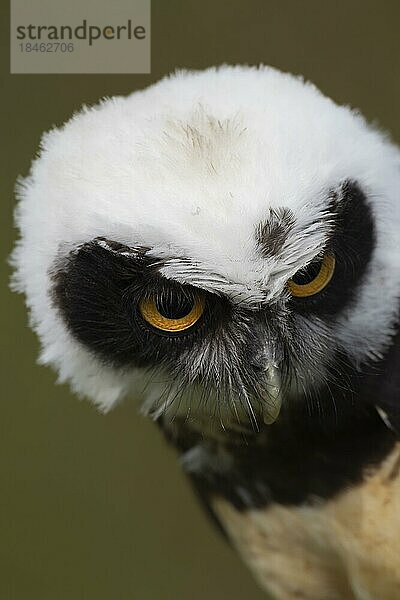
point(221, 243)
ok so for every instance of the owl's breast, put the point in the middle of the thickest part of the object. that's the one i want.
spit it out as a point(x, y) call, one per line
point(346, 547)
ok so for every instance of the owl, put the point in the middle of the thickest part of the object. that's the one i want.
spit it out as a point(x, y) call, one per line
point(224, 247)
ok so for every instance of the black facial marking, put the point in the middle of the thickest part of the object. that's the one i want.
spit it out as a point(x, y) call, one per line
point(97, 291)
point(273, 233)
point(352, 242)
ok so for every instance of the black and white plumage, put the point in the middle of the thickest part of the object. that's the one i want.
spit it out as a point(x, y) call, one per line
point(224, 246)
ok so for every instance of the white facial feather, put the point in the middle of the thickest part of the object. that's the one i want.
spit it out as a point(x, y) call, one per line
point(189, 167)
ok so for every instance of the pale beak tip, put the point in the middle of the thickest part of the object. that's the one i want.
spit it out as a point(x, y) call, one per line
point(273, 407)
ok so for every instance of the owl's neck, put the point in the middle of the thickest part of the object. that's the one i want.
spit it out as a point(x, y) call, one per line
point(289, 462)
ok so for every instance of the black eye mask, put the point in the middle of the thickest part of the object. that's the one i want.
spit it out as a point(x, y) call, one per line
point(99, 291)
point(351, 244)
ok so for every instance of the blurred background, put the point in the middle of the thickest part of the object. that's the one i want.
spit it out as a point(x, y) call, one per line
point(95, 507)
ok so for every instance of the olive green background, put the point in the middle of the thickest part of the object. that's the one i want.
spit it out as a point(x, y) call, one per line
point(95, 507)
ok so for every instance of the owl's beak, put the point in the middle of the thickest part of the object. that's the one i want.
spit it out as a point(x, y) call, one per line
point(273, 402)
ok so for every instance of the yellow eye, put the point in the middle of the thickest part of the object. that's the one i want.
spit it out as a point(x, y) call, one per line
point(174, 312)
point(313, 279)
